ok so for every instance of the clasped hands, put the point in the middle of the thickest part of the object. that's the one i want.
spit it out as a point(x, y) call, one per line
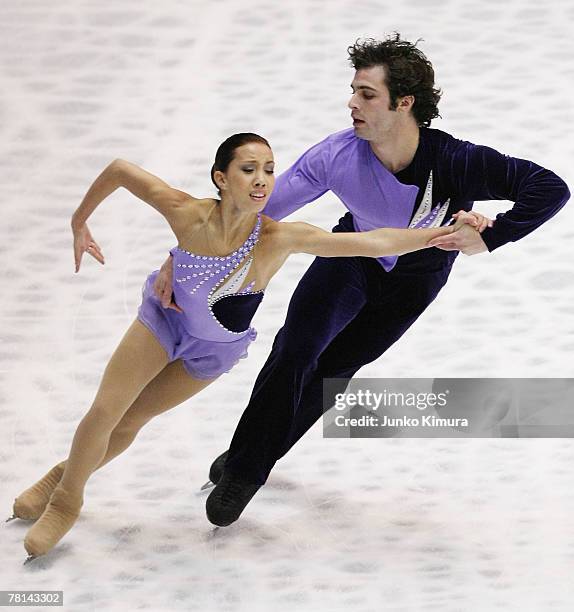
point(466, 236)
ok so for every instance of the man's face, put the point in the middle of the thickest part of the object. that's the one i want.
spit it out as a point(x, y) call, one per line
point(370, 104)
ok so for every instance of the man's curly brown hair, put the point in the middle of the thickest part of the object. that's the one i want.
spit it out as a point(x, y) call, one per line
point(408, 73)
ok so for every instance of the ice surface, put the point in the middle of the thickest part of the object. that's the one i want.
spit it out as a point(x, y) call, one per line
point(395, 525)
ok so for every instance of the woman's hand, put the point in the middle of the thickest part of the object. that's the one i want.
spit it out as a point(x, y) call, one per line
point(470, 217)
point(83, 241)
point(163, 285)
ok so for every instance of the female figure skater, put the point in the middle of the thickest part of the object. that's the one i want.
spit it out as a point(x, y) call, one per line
point(168, 355)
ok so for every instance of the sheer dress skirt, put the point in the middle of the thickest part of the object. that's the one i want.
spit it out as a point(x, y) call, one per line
point(201, 358)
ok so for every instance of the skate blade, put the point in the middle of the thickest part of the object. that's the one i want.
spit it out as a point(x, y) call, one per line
point(10, 518)
point(29, 558)
point(207, 485)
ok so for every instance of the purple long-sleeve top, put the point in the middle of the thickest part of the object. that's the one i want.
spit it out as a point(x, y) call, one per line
point(445, 175)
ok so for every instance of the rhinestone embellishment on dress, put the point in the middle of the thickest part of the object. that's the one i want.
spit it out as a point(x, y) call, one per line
point(224, 266)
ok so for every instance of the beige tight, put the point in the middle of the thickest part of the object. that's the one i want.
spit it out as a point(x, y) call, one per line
point(138, 384)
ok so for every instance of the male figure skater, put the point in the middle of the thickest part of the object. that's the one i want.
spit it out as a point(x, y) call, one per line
point(390, 170)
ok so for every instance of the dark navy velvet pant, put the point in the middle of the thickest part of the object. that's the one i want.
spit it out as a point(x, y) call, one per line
point(344, 313)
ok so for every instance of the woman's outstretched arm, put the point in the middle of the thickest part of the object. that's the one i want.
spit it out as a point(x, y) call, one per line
point(306, 238)
point(172, 203)
point(146, 186)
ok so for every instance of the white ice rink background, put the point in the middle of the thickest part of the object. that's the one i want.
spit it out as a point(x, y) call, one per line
point(363, 525)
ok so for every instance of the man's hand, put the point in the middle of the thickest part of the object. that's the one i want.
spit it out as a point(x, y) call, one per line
point(465, 238)
point(163, 285)
point(480, 222)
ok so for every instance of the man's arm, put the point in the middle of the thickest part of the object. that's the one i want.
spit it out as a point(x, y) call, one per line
point(305, 181)
point(482, 173)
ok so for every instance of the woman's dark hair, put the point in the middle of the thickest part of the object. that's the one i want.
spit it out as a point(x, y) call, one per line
point(226, 151)
point(408, 73)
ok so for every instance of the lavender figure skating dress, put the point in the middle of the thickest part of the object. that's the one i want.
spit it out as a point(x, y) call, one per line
point(213, 331)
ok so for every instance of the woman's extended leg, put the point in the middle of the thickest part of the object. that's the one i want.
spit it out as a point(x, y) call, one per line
point(138, 358)
point(171, 387)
